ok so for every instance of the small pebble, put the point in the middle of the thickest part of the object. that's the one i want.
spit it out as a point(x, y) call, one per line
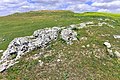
point(88, 45)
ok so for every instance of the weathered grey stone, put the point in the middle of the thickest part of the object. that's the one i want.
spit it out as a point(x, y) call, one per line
point(16, 46)
point(11, 63)
point(52, 33)
point(40, 62)
point(107, 44)
point(40, 38)
point(68, 35)
point(110, 52)
point(116, 36)
point(82, 25)
point(117, 54)
point(44, 36)
point(88, 45)
point(83, 46)
point(7, 65)
point(22, 45)
point(85, 24)
point(3, 67)
point(1, 51)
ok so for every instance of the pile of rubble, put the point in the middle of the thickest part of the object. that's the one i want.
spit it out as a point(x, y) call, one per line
point(40, 39)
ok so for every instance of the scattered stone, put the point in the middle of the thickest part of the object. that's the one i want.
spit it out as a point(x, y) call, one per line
point(100, 19)
point(107, 44)
point(83, 46)
point(116, 36)
point(83, 38)
point(1, 51)
point(58, 60)
point(62, 27)
point(42, 38)
point(107, 19)
point(36, 56)
point(88, 23)
point(85, 24)
point(41, 62)
point(110, 26)
point(82, 25)
point(94, 45)
point(102, 23)
point(73, 26)
point(3, 39)
point(113, 20)
point(104, 35)
point(110, 52)
point(117, 54)
point(11, 63)
point(68, 35)
point(88, 45)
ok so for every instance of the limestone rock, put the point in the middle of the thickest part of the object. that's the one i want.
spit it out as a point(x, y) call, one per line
point(40, 62)
point(116, 36)
point(17, 46)
point(73, 26)
point(7, 65)
point(59, 60)
point(107, 44)
point(88, 45)
point(1, 51)
point(110, 52)
point(3, 67)
point(51, 33)
point(22, 45)
point(82, 25)
point(68, 35)
point(83, 46)
point(40, 38)
point(117, 54)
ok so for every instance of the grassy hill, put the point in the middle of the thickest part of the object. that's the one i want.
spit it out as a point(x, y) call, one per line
point(86, 59)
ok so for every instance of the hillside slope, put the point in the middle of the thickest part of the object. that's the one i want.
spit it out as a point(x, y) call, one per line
point(85, 59)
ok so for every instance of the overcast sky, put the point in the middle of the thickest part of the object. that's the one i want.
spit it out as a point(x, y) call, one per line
point(11, 6)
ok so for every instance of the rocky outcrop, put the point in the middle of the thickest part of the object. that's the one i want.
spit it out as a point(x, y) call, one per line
point(68, 35)
point(40, 39)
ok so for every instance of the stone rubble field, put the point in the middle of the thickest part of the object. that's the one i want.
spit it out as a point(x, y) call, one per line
point(42, 38)
point(61, 45)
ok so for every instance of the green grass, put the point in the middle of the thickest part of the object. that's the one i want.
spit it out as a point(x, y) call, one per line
point(78, 63)
point(26, 23)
